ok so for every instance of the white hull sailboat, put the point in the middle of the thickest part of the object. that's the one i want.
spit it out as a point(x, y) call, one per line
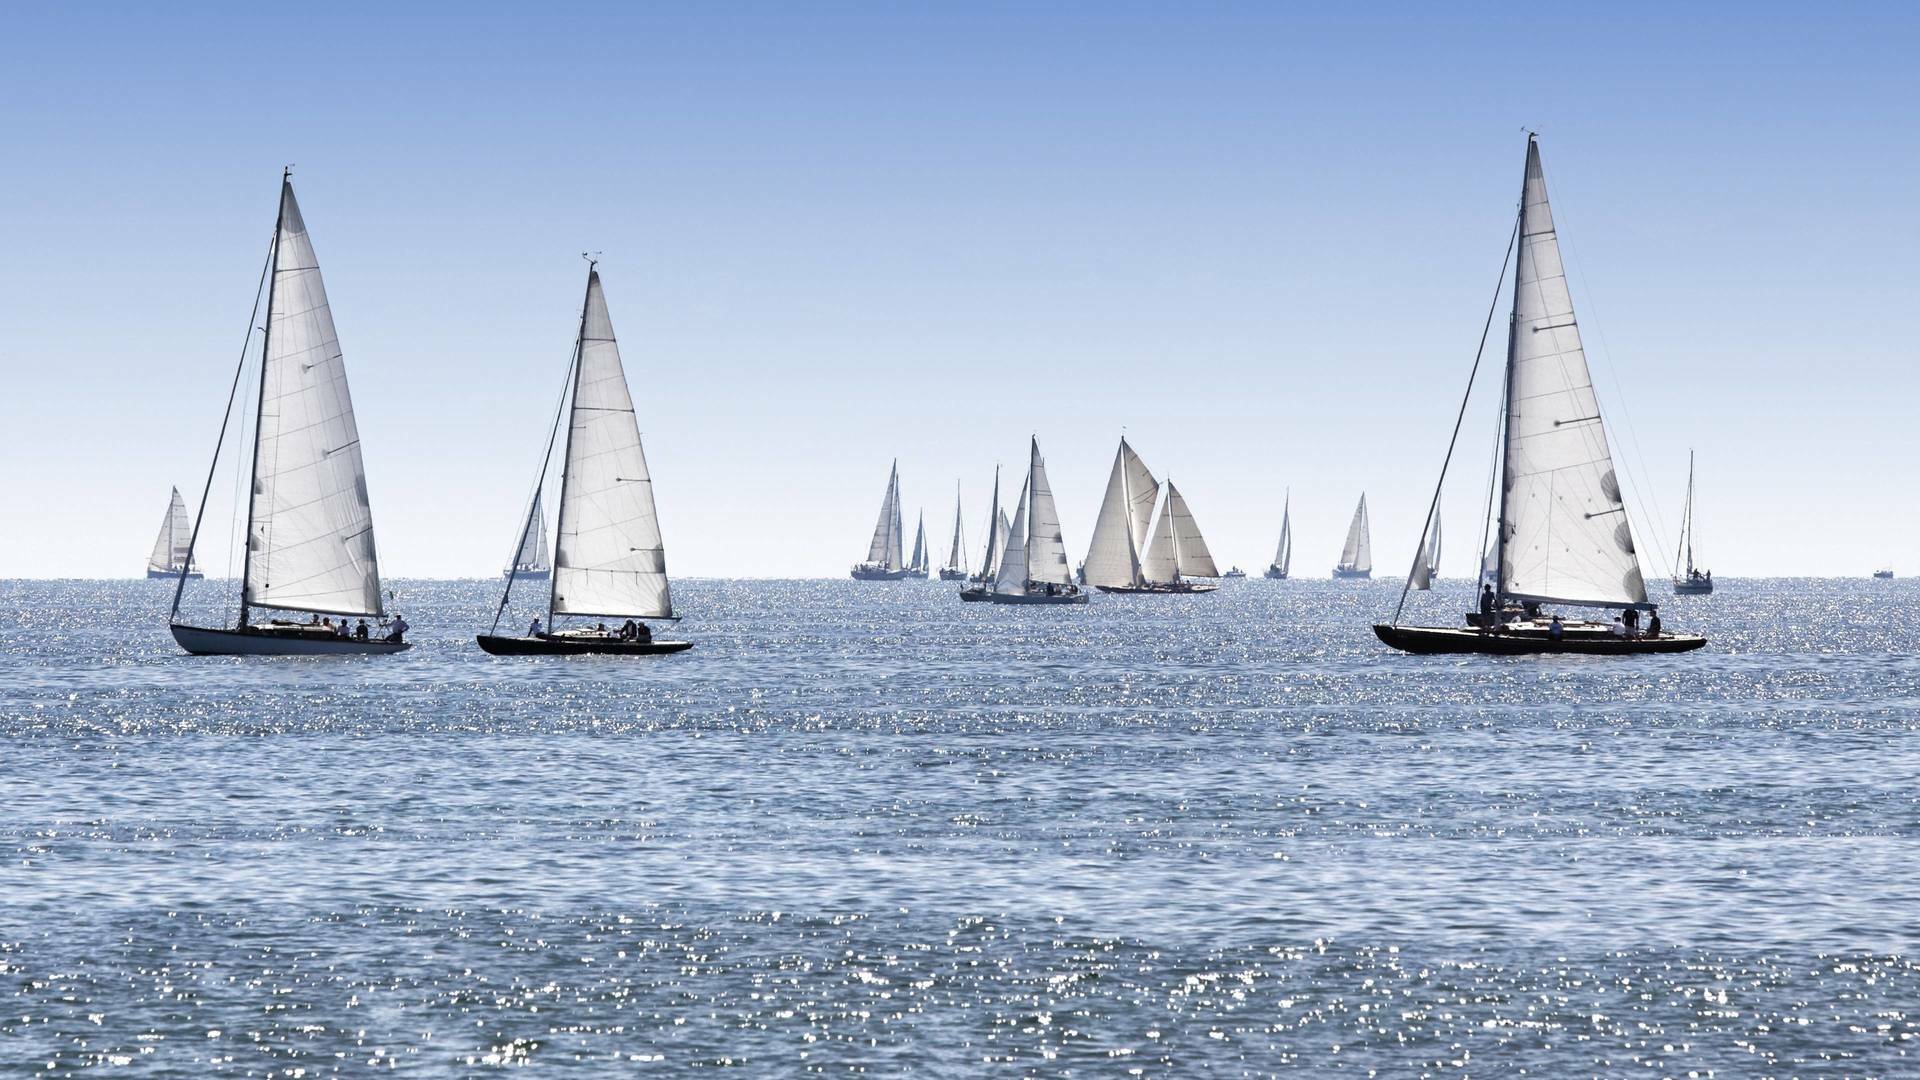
point(1034, 568)
point(1562, 536)
point(955, 568)
point(530, 562)
point(172, 553)
point(1122, 559)
point(1356, 555)
point(610, 562)
point(309, 522)
point(1693, 581)
point(1283, 555)
point(885, 559)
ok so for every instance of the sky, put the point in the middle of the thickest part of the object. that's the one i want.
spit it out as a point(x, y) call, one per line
point(1259, 239)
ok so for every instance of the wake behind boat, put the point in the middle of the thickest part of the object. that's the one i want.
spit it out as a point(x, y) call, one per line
point(309, 523)
point(1563, 535)
point(610, 562)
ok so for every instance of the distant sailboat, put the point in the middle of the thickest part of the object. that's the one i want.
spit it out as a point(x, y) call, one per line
point(529, 562)
point(1885, 573)
point(1356, 556)
point(917, 566)
point(1563, 535)
point(885, 558)
point(1427, 566)
point(955, 568)
point(997, 530)
point(1034, 568)
point(610, 562)
point(173, 549)
point(1283, 555)
point(309, 523)
point(1693, 581)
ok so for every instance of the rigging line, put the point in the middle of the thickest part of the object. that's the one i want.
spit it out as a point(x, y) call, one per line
point(1479, 354)
point(539, 481)
point(1493, 480)
point(225, 419)
point(1640, 491)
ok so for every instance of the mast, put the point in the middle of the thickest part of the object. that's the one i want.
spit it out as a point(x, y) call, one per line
point(260, 404)
point(1686, 520)
point(1286, 531)
point(560, 520)
point(993, 531)
point(1506, 396)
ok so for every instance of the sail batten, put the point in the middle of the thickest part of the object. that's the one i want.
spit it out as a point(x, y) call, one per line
point(310, 540)
point(609, 559)
point(1564, 531)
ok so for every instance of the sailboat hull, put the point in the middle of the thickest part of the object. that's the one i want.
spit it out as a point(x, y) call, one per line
point(1036, 598)
point(497, 645)
point(874, 574)
point(525, 575)
point(1339, 574)
point(1451, 639)
point(1693, 588)
point(974, 594)
point(205, 641)
point(172, 575)
point(1166, 589)
point(953, 575)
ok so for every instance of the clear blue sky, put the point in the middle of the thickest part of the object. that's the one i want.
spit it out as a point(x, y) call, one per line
point(1261, 238)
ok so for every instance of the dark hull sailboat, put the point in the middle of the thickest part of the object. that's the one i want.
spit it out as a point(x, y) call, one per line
point(576, 643)
point(953, 575)
point(1530, 639)
point(1075, 597)
point(1274, 573)
point(881, 573)
point(1162, 588)
point(1701, 585)
point(1340, 574)
point(279, 639)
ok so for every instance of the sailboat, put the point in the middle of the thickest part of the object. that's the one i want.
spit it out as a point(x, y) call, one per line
point(884, 560)
point(1885, 573)
point(529, 562)
point(1121, 558)
point(1563, 537)
point(1427, 567)
point(917, 566)
point(997, 529)
point(1034, 568)
point(1356, 556)
point(955, 568)
point(610, 561)
point(172, 553)
point(1283, 555)
point(1694, 581)
point(309, 523)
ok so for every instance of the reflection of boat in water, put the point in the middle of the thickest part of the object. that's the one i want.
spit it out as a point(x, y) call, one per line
point(1884, 574)
point(610, 562)
point(309, 544)
point(1693, 582)
point(1121, 559)
point(1563, 535)
point(1356, 556)
point(1283, 555)
point(172, 549)
point(529, 562)
point(1034, 569)
point(886, 560)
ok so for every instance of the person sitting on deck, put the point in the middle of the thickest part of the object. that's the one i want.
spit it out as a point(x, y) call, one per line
point(397, 632)
point(1653, 623)
point(360, 631)
point(1631, 617)
point(1619, 627)
point(534, 630)
point(340, 629)
point(327, 624)
point(1556, 628)
point(628, 631)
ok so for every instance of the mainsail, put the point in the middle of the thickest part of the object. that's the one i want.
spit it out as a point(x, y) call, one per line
point(1011, 576)
point(310, 527)
point(172, 548)
point(1002, 532)
point(532, 555)
point(1046, 548)
point(610, 560)
point(1283, 555)
point(1564, 534)
point(996, 533)
point(1357, 554)
point(1120, 532)
point(957, 554)
point(885, 548)
point(1178, 550)
point(1426, 565)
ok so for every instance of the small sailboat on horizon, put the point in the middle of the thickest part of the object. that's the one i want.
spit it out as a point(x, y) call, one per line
point(998, 530)
point(1692, 581)
point(529, 562)
point(886, 559)
point(917, 566)
point(172, 550)
point(610, 561)
point(1283, 555)
point(1356, 555)
point(309, 532)
point(1427, 567)
point(1562, 532)
point(955, 568)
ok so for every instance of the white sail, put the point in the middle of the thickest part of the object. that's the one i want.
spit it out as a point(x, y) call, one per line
point(1161, 563)
point(1002, 534)
point(609, 560)
point(1686, 525)
point(1564, 531)
point(884, 550)
point(1357, 554)
point(957, 554)
point(1046, 548)
point(1119, 533)
point(533, 540)
point(310, 531)
point(918, 563)
point(996, 536)
point(171, 548)
point(1189, 547)
point(1283, 555)
point(1011, 577)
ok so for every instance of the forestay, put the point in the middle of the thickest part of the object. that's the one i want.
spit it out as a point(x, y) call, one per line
point(1564, 531)
point(609, 560)
point(310, 541)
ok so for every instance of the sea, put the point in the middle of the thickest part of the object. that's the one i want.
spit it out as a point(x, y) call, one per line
point(864, 828)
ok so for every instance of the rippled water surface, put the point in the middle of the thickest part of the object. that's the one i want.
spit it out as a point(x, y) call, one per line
point(863, 825)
